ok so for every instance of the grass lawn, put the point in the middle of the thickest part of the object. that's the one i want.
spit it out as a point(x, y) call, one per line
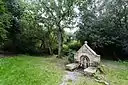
point(28, 70)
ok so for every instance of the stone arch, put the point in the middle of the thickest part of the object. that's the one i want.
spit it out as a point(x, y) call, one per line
point(84, 61)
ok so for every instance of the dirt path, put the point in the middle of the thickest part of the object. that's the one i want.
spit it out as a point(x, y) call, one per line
point(70, 77)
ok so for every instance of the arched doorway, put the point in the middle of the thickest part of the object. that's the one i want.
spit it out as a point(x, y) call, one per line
point(84, 61)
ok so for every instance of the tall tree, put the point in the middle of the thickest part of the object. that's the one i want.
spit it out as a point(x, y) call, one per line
point(104, 25)
point(38, 35)
point(16, 10)
point(60, 13)
point(4, 22)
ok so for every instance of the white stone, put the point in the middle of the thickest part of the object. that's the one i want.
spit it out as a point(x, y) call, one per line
point(71, 66)
point(90, 70)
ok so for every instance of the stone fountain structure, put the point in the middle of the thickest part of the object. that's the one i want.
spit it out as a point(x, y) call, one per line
point(86, 58)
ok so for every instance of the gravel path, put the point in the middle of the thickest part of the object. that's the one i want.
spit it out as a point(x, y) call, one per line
point(70, 77)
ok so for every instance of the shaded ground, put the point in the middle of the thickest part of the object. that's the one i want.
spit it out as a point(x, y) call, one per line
point(7, 54)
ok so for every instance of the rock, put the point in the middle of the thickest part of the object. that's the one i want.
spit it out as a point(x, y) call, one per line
point(71, 66)
point(102, 81)
point(90, 70)
point(102, 69)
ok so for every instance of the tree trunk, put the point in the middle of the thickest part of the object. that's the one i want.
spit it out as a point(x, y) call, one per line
point(49, 41)
point(42, 42)
point(60, 43)
point(50, 49)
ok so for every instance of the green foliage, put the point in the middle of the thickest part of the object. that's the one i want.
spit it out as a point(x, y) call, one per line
point(66, 49)
point(59, 14)
point(38, 25)
point(10, 13)
point(2, 8)
point(73, 45)
point(71, 56)
point(104, 26)
point(70, 49)
point(35, 26)
point(2, 35)
point(4, 23)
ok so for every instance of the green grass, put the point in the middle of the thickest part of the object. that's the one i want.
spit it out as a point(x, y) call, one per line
point(116, 74)
point(28, 70)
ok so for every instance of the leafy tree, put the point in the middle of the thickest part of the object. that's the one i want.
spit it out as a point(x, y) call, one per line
point(38, 33)
point(104, 26)
point(4, 22)
point(15, 11)
point(60, 14)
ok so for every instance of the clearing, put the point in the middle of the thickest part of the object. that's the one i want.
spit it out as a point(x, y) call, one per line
point(32, 70)
point(29, 70)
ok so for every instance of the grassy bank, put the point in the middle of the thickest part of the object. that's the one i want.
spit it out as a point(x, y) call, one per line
point(116, 73)
point(28, 70)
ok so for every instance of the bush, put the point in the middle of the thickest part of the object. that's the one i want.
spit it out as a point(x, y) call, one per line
point(66, 49)
point(71, 46)
point(71, 56)
point(74, 45)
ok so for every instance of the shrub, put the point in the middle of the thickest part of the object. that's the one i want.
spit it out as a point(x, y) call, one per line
point(71, 56)
point(74, 45)
point(66, 49)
